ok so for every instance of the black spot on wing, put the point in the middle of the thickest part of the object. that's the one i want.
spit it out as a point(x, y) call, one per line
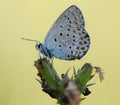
point(73, 36)
point(73, 40)
point(71, 51)
point(68, 29)
point(59, 45)
point(86, 36)
point(82, 48)
point(55, 39)
point(68, 18)
point(67, 34)
point(68, 56)
point(70, 21)
point(85, 42)
point(61, 26)
point(61, 34)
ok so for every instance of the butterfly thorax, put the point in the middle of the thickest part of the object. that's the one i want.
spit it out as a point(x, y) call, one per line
point(43, 49)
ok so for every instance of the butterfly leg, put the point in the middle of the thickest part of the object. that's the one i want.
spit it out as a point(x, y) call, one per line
point(52, 60)
point(39, 56)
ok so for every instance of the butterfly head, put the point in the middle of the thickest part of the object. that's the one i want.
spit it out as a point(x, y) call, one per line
point(43, 50)
point(39, 47)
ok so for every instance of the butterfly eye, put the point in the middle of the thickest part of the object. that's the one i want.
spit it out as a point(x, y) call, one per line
point(39, 45)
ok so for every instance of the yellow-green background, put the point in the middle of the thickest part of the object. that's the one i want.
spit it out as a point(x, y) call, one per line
point(32, 19)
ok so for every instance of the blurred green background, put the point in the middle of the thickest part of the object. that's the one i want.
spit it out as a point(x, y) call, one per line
point(32, 19)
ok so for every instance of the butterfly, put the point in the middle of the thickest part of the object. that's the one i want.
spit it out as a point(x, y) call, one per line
point(67, 39)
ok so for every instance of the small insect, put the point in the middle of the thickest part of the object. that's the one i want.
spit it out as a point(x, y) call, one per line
point(100, 72)
point(67, 39)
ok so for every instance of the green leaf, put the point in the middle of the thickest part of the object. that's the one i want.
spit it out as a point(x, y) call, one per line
point(83, 76)
point(51, 79)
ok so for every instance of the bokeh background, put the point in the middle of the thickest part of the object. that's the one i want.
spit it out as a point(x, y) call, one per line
point(32, 19)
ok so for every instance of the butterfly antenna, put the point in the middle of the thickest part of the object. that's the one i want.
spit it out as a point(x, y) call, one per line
point(30, 40)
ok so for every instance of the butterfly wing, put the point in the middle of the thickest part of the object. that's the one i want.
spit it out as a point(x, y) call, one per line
point(67, 38)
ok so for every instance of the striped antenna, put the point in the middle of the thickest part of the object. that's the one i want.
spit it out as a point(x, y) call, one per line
point(30, 40)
